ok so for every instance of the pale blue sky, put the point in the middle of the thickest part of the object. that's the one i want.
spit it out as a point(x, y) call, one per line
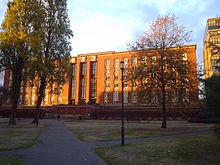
point(107, 25)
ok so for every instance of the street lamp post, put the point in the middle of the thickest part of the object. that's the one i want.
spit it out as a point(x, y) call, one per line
point(122, 102)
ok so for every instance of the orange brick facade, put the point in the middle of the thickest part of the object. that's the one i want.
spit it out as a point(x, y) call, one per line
point(96, 79)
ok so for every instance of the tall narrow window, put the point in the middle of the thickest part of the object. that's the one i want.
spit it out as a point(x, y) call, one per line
point(185, 95)
point(93, 87)
point(73, 93)
point(115, 97)
point(83, 69)
point(94, 68)
point(83, 88)
point(106, 97)
point(74, 69)
point(134, 97)
point(125, 97)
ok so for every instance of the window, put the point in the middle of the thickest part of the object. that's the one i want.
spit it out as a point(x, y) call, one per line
point(154, 98)
point(174, 96)
point(134, 97)
point(83, 69)
point(185, 95)
point(93, 87)
point(115, 77)
point(125, 97)
point(83, 88)
point(107, 62)
point(74, 69)
point(107, 78)
point(115, 84)
point(144, 59)
point(94, 68)
point(33, 96)
point(73, 93)
point(107, 85)
point(185, 56)
point(125, 61)
point(59, 99)
point(134, 60)
point(107, 70)
point(153, 59)
point(106, 97)
point(115, 69)
point(116, 62)
point(115, 97)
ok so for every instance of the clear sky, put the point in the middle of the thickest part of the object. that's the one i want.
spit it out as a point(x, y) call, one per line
point(107, 25)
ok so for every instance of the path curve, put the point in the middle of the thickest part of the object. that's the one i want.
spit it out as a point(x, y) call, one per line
point(57, 146)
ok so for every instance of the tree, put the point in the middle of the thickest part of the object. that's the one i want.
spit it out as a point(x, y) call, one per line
point(161, 62)
point(211, 108)
point(19, 33)
point(50, 64)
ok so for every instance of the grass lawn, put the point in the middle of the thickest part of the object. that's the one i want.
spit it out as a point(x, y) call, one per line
point(22, 135)
point(194, 150)
point(9, 160)
point(110, 130)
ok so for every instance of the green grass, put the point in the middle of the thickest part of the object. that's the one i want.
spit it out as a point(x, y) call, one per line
point(193, 150)
point(22, 135)
point(9, 160)
point(110, 130)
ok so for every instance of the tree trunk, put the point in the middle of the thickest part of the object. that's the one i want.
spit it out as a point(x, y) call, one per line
point(39, 99)
point(164, 121)
point(15, 89)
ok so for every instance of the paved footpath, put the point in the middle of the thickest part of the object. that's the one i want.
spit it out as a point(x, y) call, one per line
point(58, 146)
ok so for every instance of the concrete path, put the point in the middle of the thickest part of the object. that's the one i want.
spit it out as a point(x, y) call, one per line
point(57, 146)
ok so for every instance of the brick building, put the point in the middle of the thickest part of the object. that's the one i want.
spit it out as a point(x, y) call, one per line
point(96, 78)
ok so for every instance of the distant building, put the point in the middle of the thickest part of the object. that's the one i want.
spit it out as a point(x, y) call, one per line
point(96, 79)
point(211, 55)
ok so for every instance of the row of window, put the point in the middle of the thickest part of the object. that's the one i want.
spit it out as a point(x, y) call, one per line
point(83, 68)
point(147, 97)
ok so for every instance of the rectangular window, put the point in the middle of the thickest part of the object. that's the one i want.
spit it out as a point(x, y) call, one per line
point(185, 56)
point(83, 69)
point(115, 77)
point(107, 85)
point(115, 69)
point(74, 69)
point(125, 61)
point(134, 60)
point(106, 97)
point(107, 78)
point(116, 62)
point(115, 84)
point(107, 70)
point(134, 97)
point(125, 97)
point(73, 93)
point(174, 96)
point(94, 68)
point(115, 97)
point(153, 59)
point(107, 62)
point(93, 87)
point(185, 95)
point(154, 97)
point(83, 88)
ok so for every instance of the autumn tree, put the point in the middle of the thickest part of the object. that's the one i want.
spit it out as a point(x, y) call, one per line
point(18, 36)
point(162, 65)
point(50, 64)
